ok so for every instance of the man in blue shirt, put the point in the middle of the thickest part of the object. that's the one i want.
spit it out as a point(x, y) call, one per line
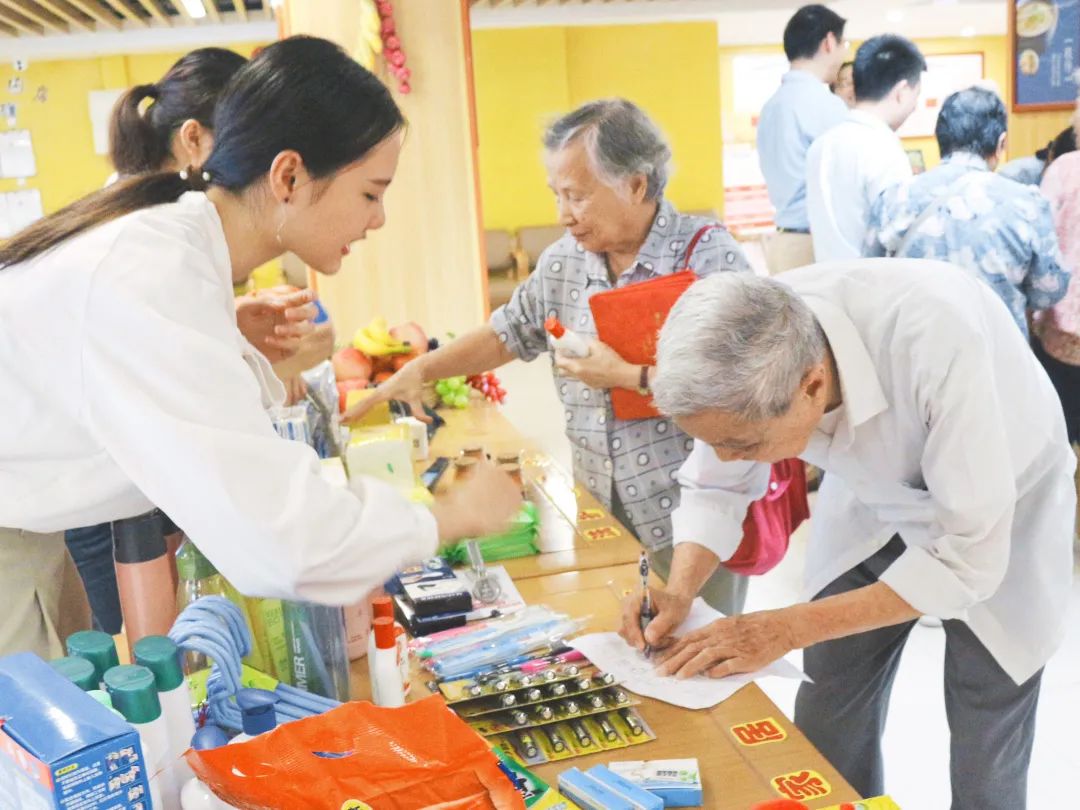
point(798, 112)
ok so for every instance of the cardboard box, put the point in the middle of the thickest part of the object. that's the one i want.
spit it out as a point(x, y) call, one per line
point(60, 748)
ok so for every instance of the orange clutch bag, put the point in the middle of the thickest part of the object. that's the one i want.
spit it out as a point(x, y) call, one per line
point(628, 319)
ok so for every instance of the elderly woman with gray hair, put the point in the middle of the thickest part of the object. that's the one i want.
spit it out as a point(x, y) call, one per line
point(949, 493)
point(607, 165)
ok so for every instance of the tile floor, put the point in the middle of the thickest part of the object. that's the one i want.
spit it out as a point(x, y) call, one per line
point(916, 738)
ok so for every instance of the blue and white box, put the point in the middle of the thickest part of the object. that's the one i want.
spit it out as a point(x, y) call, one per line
point(62, 750)
point(676, 781)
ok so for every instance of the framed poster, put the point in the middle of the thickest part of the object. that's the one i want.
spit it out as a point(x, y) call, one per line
point(945, 74)
point(1043, 38)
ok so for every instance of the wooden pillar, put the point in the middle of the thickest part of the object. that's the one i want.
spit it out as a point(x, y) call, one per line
point(427, 263)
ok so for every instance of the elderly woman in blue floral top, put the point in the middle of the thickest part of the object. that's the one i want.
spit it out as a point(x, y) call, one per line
point(607, 165)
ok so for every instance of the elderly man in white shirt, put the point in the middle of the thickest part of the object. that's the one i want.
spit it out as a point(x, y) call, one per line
point(852, 163)
point(949, 493)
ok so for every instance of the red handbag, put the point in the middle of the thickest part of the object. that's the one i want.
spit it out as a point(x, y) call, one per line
point(771, 521)
point(629, 319)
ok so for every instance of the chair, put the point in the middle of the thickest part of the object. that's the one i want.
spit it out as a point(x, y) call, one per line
point(533, 240)
point(504, 267)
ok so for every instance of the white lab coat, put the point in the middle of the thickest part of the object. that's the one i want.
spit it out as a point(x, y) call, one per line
point(950, 434)
point(846, 169)
point(125, 384)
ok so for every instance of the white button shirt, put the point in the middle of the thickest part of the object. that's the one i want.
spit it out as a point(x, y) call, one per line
point(126, 385)
point(950, 434)
point(846, 169)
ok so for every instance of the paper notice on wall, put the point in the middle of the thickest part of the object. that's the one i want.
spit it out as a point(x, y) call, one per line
point(17, 154)
point(17, 210)
point(101, 107)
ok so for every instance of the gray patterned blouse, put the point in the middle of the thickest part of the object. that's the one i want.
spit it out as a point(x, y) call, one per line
point(636, 461)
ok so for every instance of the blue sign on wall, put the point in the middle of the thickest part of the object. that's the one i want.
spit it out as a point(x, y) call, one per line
point(1045, 37)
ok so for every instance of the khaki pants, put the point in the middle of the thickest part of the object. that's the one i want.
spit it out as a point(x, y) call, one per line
point(44, 600)
point(786, 251)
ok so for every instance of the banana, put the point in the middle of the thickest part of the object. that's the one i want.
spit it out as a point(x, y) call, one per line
point(375, 340)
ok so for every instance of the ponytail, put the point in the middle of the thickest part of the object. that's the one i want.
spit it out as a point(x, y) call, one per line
point(123, 197)
point(135, 144)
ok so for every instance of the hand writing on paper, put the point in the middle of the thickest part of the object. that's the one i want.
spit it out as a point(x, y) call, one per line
point(669, 609)
point(730, 646)
point(603, 368)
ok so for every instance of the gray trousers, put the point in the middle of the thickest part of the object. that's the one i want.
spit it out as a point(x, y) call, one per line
point(991, 719)
point(723, 591)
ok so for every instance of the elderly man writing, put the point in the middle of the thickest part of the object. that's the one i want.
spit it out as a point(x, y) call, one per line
point(949, 492)
point(607, 166)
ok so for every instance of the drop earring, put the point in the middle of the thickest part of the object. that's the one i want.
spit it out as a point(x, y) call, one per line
point(281, 225)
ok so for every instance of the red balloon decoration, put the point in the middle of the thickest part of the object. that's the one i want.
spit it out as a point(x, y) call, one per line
point(392, 50)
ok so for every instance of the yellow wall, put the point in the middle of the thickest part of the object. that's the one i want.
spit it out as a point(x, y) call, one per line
point(67, 167)
point(1027, 131)
point(527, 77)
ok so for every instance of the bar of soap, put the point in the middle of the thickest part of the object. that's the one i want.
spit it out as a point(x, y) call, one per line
point(379, 415)
point(589, 794)
point(638, 797)
point(676, 781)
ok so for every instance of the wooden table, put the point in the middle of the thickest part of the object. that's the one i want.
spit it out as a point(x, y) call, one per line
point(735, 776)
point(576, 532)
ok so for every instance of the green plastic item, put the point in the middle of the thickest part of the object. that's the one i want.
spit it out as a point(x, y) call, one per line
point(134, 693)
point(101, 697)
point(518, 541)
point(191, 564)
point(96, 647)
point(161, 656)
point(77, 670)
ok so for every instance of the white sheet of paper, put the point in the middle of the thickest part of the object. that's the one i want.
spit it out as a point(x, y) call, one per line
point(638, 674)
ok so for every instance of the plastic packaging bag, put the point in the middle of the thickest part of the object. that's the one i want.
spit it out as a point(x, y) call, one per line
point(418, 756)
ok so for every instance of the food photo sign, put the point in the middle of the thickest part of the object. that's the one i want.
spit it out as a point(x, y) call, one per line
point(1044, 36)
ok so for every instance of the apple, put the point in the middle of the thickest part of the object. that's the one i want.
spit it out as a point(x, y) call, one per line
point(412, 334)
point(383, 376)
point(401, 359)
point(352, 364)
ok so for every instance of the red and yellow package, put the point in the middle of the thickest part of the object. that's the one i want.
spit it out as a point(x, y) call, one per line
point(417, 756)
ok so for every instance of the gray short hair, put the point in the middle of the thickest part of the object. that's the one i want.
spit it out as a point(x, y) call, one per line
point(620, 140)
point(737, 343)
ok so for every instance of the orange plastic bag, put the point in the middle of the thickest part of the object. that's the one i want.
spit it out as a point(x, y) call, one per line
point(359, 755)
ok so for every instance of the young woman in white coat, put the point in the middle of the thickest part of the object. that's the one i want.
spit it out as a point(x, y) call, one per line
point(127, 385)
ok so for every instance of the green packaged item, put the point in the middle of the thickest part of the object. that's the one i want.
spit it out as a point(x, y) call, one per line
point(518, 541)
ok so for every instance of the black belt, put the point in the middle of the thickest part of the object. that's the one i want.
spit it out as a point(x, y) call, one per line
point(805, 231)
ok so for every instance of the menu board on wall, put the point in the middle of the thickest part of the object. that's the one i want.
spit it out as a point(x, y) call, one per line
point(1044, 36)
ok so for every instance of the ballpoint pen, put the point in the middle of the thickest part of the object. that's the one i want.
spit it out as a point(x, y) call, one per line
point(645, 615)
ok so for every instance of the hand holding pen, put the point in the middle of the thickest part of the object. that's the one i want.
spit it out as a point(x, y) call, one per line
point(645, 614)
point(665, 611)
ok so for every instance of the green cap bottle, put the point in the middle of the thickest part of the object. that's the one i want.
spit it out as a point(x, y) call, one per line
point(161, 656)
point(133, 693)
point(77, 670)
point(97, 648)
point(191, 565)
point(101, 697)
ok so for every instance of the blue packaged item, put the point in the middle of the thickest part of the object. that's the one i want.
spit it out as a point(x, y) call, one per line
point(60, 748)
point(676, 781)
point(640, 798)
point(589, 794)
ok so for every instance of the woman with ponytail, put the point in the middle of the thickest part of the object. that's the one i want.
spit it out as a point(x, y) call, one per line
point(127, 384)
point(167, 126)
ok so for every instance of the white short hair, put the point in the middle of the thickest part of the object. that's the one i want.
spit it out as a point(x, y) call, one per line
point(620, 140)
point(737, 343)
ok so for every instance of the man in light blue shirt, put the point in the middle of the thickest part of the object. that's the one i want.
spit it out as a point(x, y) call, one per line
point(798, 112)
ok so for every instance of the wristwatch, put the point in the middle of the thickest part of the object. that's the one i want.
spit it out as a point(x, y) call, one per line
point(643, 382)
